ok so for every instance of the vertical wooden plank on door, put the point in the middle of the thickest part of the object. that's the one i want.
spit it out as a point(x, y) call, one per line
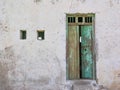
point(73, 52)
point(86, 51)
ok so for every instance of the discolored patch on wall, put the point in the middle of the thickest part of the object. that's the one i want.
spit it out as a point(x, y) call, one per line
point(4, 81)
point(3, 27)
point(7, 63)
point(82, 1)
point(58, 79)
point(54, 1)
point(3, 14)
point(113, 2)
point(115, 85)
point(37, 1)
point(43, 80)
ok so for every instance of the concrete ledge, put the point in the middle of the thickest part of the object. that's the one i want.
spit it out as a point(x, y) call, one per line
point(83, 84)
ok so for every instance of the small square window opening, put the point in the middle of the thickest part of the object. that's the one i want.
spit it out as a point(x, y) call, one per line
point(71, 19)
point(22, 34)
point(88, 19)
point(40, 35)
point(80, 19)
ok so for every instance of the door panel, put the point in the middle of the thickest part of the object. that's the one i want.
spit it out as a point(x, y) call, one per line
point(86, 52)
point(73, 53)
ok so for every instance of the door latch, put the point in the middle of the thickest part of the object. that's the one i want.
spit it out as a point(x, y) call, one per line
point(80, 38)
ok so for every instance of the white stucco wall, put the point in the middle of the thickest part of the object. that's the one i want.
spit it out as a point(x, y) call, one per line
point(41, 65)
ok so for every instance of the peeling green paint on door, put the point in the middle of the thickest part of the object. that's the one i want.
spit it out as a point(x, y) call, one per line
point(86, 52)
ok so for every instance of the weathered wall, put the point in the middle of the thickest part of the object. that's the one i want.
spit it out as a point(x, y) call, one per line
point(41, 65)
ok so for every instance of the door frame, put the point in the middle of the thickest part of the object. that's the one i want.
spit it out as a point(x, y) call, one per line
point(94, 46)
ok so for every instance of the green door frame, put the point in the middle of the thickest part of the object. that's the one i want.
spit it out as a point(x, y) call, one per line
point(76, 15)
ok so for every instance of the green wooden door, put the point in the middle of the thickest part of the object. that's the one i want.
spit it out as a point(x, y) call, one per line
point(80, 51)
point(86, 52)
point(73, 67)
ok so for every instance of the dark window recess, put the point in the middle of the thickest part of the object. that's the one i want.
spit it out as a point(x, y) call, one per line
point(40, 35)
point(22, 34)
point(88, 19)
point(71, 19)
point(80, 19)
